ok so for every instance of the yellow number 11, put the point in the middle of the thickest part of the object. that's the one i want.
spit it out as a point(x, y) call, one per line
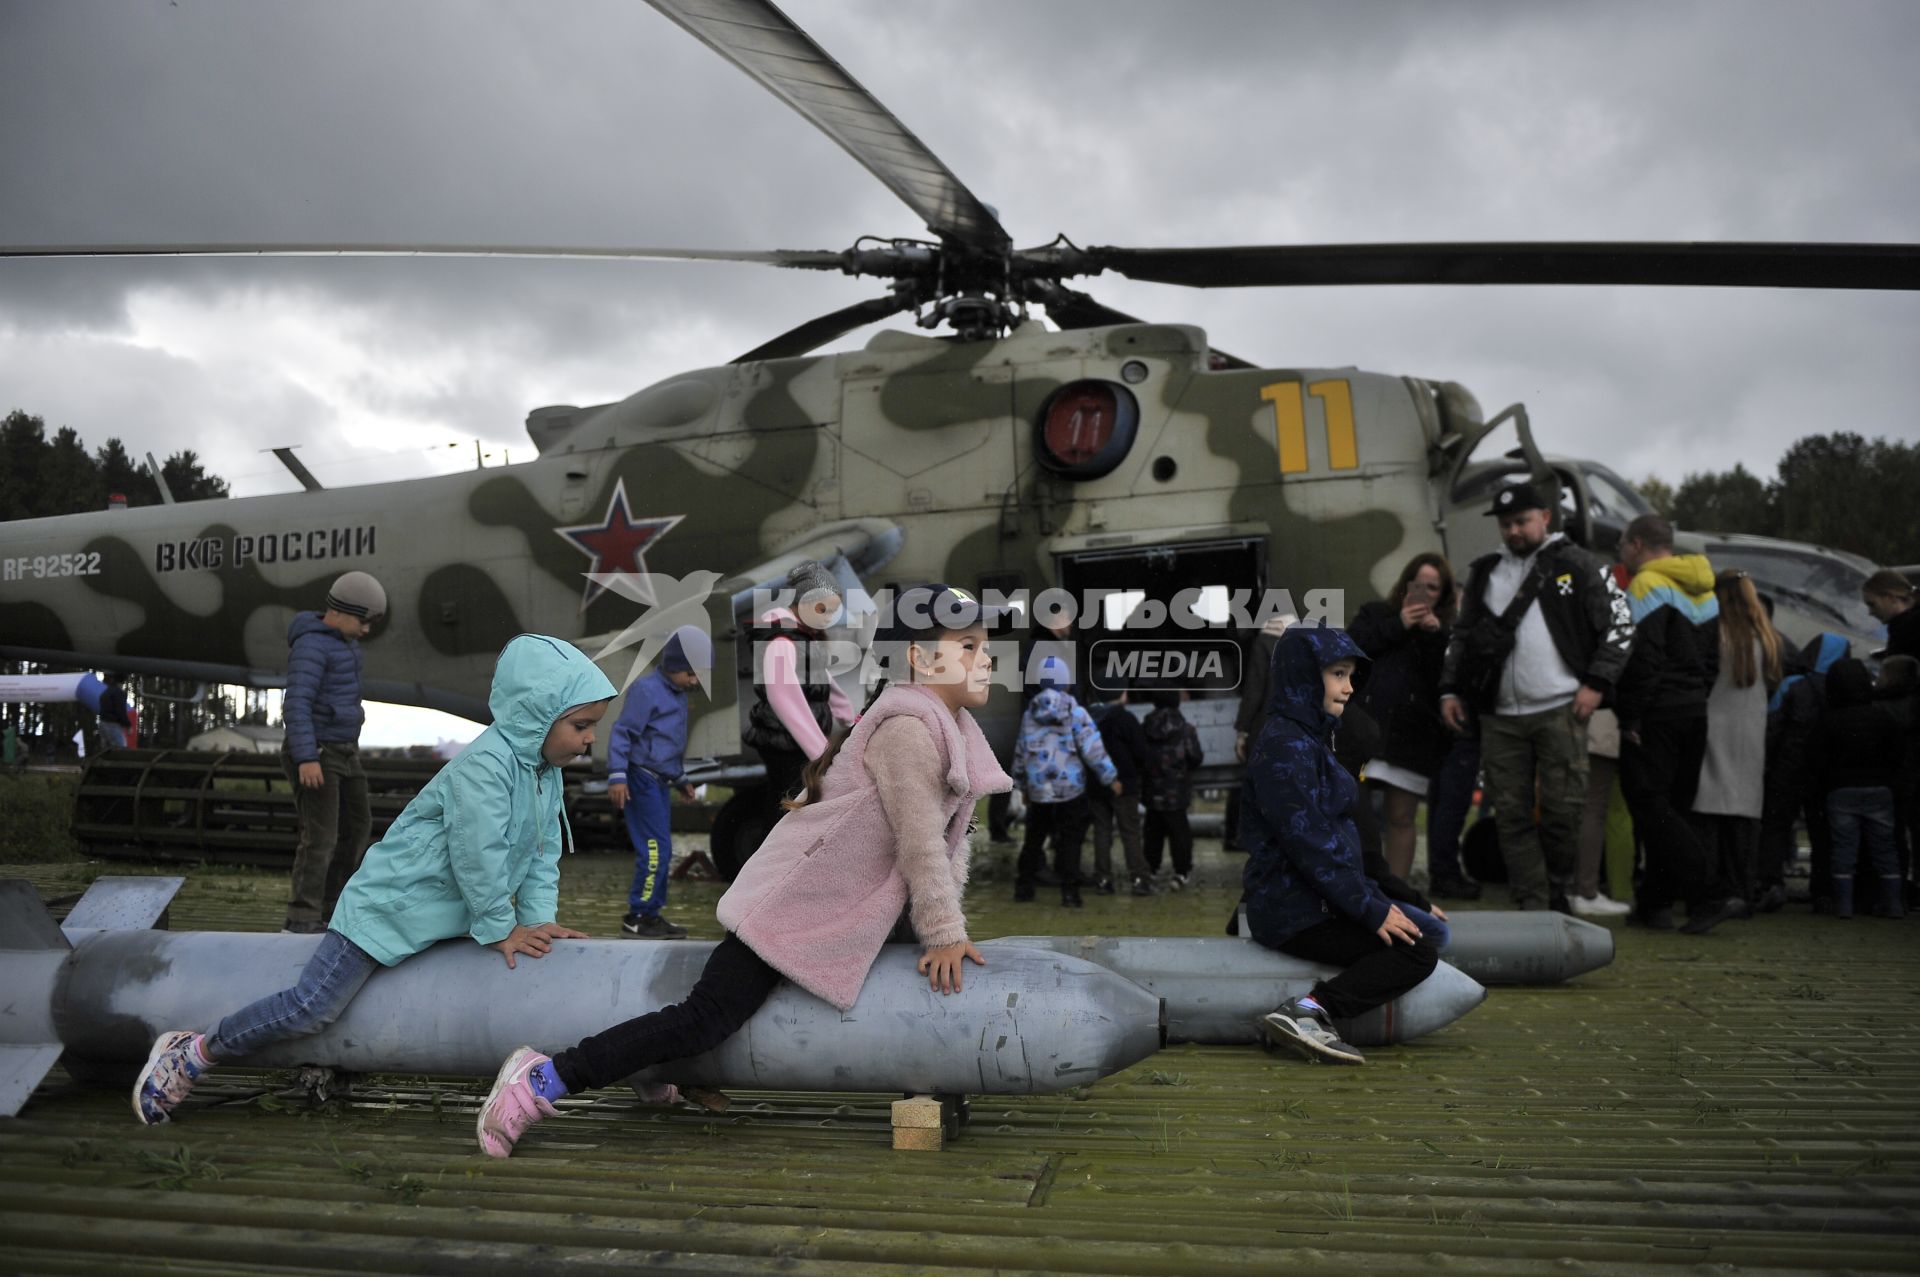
point(1290, 423)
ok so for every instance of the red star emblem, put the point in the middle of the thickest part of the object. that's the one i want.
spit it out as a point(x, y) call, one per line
point(617, 544)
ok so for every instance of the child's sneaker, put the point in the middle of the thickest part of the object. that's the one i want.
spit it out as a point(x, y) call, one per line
point(1307, 1033)
point(651, 927)
point(512, 1105)
point(173, 1066)
point(1179, 882)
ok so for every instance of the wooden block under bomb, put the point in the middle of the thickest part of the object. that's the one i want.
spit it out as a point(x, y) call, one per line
point(919, 1123)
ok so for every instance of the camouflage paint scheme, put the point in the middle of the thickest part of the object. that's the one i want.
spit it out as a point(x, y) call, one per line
point(934, 435)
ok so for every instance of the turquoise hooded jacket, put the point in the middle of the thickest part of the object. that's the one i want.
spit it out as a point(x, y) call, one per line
point(478, 849)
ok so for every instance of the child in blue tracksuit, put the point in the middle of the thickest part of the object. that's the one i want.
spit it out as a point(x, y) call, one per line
point(476, 853)
point(646, 760)
point(1058, 744)
point(1307, 889)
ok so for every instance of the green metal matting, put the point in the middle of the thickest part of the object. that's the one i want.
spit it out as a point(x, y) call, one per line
point(1748, 1101)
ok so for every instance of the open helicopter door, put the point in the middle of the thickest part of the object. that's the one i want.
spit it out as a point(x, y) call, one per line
point(1482, 469)
point(1143, 601)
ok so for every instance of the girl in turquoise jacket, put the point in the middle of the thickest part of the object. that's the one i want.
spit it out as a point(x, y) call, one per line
point(476, 853)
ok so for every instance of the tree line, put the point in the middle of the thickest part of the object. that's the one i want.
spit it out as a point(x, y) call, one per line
point(42, 475)
point(1842, 491)
point(46, 476)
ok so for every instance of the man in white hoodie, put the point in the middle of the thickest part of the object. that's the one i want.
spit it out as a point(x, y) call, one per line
point(1568, 646)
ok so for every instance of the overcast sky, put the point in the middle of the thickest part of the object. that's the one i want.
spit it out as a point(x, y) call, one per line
point(598, 122)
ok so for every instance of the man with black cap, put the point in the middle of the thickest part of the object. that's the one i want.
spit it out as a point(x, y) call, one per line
point(646, 765)
point(1541, 640)
point(321, 753)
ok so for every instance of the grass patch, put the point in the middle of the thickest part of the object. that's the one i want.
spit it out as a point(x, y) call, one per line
point(176, 1171)
point(38, 827)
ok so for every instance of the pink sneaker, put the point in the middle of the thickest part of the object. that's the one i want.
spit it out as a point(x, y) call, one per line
point(512, 1106)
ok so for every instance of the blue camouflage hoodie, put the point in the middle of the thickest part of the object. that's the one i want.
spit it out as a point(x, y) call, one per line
point(1305, 865)
point(478, 850)
point(323, 687)
point(1056, 735)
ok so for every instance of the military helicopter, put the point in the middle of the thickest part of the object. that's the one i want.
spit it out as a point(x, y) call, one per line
point(1102, 453)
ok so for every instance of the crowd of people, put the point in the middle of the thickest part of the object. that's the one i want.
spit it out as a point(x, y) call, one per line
point(1722, 740)
point(1554, 675)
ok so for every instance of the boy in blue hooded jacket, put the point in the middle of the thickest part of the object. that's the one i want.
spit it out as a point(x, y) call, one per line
point(1307, 889)
point(646, 764)
point(476, 853)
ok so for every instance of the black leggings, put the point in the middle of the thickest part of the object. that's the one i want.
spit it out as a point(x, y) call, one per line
point(1375, 973)
point(733, 985)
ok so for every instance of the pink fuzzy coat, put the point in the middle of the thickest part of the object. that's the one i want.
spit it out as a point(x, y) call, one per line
point(820, 896)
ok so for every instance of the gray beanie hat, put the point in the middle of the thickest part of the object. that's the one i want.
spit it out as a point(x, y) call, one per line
point(810, 579)
point(358, 594)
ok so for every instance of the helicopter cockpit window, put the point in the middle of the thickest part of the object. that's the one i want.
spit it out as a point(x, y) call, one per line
point(1827, 584)
point(1569, 500)
point(1613, 497)
point(1482, 484)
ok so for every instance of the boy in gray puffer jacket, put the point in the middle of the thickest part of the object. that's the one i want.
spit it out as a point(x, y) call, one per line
point(321, 753)
point(1058, 743)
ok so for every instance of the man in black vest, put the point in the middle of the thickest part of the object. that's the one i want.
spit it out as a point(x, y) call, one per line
point(1537, 688)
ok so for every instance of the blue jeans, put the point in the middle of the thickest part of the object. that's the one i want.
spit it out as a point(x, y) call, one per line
point(649, 824)
point(1862, 819)
point(1430, 927)
point(332, 976)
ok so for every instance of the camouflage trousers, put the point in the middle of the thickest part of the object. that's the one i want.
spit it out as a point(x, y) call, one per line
point(1538, 759)
point(334, 827)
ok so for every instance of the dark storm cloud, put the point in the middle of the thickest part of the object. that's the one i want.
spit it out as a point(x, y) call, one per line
point(1147, 123)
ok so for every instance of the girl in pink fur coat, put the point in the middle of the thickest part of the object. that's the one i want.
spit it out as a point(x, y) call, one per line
point(882, 827)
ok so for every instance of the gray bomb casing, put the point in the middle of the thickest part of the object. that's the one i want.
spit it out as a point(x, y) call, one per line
point(1029, 1021)
point(1216, 989)
point(1511, 946)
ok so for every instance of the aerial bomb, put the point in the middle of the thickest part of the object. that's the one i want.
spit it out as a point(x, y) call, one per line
point(1029, 1021)
point(1512, 946)
point(1508, 946)
point(1216, 989)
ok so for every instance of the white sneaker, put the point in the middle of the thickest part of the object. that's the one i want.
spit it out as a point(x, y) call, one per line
point(1599, 905)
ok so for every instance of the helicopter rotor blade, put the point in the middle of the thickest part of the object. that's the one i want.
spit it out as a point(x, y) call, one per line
point(1721, 265)
point(818, 332)
point(766, 44)
point(795, 258)
point(1071, 309)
